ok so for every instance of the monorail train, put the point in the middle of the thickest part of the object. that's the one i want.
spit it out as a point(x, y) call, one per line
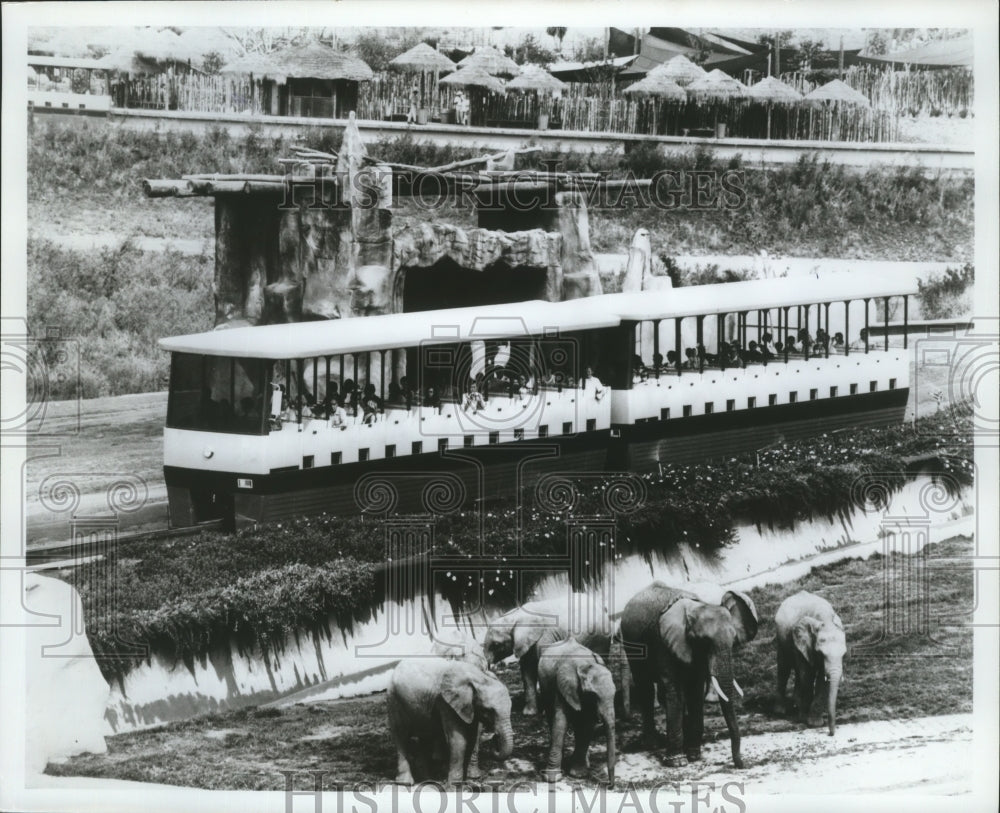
point(424, 410)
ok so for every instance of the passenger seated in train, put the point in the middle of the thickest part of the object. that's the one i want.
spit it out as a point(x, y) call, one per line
point(672, 358)
point(805, 341)
point(395, 393)
point(753, 353)
point(706, 358)
point(862, 341)
point(473, 401)
point(690, 359)
point(431, 398)
point(790, 344)
point(336, 415)
point(767, 346)
point(657, 363)
point(406, 392)
point(591, 384)
point(838, 341)
point(349, 397)
point(371, 405)
point(779, 348)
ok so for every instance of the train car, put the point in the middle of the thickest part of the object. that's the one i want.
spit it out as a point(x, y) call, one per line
point(430, 410)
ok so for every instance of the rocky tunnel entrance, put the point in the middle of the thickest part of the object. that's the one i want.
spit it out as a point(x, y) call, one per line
point(446, 284)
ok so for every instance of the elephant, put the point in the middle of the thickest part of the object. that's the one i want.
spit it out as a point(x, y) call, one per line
point(576, 687)
point(810, 636)
point(461, 648)
point(518, 631)
point(444, 704)
point(682, 645)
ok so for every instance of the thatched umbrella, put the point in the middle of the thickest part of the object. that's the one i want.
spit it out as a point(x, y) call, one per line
point(491, 61)
point(657, 83)
point(536, 79)
point(426, 61)
point(715, 88)
point(475, 79)
point(682, 70)
point(422, 58)
point(833, 97)
point(771, 91)
point(838, 92)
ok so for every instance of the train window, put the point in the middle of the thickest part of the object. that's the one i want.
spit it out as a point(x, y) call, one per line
point(873, 386)
point(543, 430)
point(793, 397)
point(751, 402)
point(687, 410)
point(417, 447)
point(442, 444)
point(335, 458)
point(494, 438)
point(218, 394)
point(813, 394)
point(591, 424)
point(390, 450)
point(892, 383)
point(854, 389)
point(363, 455)
point(469, 441)
point(308, 461)
point(833, 392)
point(665, 414)
point(568, 428)
point(519, 434)
point(772, 399)
point(731, 405)
point(709, 407)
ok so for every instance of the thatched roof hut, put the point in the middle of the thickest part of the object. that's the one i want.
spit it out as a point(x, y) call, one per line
point(474, 77)
point(775, 91)
point(536, 78)
point(658, 82)
point(422, 57)
point(838, 91)
point(491, 61)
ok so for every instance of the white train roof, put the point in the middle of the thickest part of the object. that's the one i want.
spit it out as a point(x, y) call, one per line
point(532, 318)
point(397, 330)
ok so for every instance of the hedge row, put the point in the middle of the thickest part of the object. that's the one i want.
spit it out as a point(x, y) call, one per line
point(182, 596)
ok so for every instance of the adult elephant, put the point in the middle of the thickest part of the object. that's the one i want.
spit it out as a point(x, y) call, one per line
point(439, 706)
point(810, 636)
point(578, 689)
point(519, 631)
point(682, 645)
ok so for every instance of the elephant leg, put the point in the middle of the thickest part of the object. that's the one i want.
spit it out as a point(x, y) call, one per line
point(557, 736)
point(583, 733)
point(645, 698)
point(804, 684)
point(472, 770)
point(529, 679)
point(673, 706)
point(457, 747)
point(694, 719)
point(400, 738)
point(784, 670)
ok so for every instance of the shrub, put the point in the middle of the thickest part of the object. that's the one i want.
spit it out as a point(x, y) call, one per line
point(946, 295)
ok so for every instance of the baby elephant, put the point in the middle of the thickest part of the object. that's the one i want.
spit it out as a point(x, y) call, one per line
point(439, 706)
point(810, 637)
point(576, 687)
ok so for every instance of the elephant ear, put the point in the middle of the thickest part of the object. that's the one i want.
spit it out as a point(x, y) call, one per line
point(457, 692)
point(804, 636)
point(837, 622)
point(590, 676)
point(744, 613)
point(526, 635)
point(568, 681)
point(674, 628)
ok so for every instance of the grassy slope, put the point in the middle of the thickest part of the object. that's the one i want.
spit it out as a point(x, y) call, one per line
point(903, 676)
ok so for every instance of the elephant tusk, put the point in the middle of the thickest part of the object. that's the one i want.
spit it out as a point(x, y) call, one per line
point(718, 690)
point(736, 686)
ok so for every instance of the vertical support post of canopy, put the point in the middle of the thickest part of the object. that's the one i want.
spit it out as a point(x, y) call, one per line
point(656, 345)
point(805, 341)
point(763, 349)
point(381, 376)
point(847, 327)
point(866, 325)
point(906, 321)
point(677, 342)
point(720, 339)
point(829, 338)
point(885, 320)
point(701, 344)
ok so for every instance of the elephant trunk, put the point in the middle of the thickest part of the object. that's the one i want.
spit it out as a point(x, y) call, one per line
point(834, 676)
point(608, 716)
point(505, 737)
point(725, 686)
